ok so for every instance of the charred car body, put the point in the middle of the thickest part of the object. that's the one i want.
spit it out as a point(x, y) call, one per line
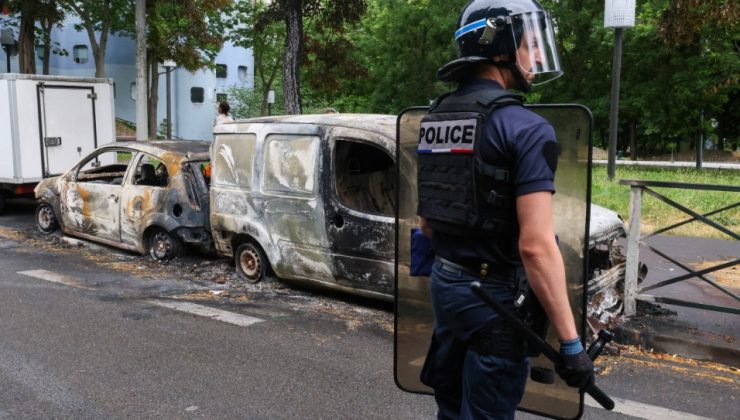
point(140, 196)
point(308, 197)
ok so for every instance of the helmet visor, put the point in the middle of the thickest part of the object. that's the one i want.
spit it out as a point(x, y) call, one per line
point(537, 54)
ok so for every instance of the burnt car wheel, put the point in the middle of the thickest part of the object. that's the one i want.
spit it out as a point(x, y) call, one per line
point(46, 221)
point(250, 262)
point(164, 246)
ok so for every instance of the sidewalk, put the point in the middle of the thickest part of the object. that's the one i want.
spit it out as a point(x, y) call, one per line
point(688, 332)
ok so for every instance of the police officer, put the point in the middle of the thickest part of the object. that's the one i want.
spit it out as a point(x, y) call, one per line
point(485, 185)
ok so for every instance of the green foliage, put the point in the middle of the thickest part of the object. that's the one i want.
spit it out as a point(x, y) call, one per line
point(656, 214)
point(401, 44)
point(676, 64)
point(241, 26)
point(185, 31)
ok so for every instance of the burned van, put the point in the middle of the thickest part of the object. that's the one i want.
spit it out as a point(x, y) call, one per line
point(309, 198)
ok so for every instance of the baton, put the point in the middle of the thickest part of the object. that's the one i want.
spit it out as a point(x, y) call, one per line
point(536, 341)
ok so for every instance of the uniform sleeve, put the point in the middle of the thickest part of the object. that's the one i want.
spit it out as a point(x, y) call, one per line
point(536, 157)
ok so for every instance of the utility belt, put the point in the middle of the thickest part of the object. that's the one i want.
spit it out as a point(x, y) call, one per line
point(486, 271)
point(499, 338)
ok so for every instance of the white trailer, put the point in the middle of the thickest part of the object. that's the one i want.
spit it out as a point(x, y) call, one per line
point(47, 123)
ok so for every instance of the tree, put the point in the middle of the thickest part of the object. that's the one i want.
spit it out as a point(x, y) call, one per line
point(333, 15)
point(186, 32)
point(54, 16)
point(31, 11)
point(266, 42)
point(402, 44)
point(99, 18)
point(25, 16)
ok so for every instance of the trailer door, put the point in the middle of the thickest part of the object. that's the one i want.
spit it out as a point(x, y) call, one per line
point(68, 126)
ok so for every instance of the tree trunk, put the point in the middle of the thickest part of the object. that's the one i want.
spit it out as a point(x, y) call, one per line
point(153, 95)
point(46, 26)
point(100, 62)
point(27, 42)
point(293, 44)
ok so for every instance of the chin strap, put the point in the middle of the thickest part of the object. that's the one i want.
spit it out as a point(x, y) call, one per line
point(521, 83)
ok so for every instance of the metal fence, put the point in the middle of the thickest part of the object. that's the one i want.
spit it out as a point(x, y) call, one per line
point(633, 293)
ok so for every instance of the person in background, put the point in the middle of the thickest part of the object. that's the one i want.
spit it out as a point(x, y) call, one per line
point(223, 113)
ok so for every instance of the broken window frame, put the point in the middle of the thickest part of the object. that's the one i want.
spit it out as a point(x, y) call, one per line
point(95, 173)
point(136, 168)
point(336, 176)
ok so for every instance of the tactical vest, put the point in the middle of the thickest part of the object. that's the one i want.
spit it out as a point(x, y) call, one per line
point(458, 193)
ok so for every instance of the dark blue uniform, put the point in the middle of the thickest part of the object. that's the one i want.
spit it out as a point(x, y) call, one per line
point(470, 383)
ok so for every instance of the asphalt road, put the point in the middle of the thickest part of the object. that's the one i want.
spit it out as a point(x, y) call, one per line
point(90, 332)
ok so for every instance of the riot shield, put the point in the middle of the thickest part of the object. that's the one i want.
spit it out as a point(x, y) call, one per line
point(413, 313)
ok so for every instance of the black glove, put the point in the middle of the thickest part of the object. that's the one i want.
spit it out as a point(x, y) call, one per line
point(577, 370)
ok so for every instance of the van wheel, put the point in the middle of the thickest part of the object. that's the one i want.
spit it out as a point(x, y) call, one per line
point(46, 222)
point(250, 262)
point(164, 246)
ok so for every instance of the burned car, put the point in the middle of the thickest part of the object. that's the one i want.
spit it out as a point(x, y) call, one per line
point(147, 197)
point(311, 198)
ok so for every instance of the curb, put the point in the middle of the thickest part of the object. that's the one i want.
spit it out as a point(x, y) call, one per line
point(703, 346)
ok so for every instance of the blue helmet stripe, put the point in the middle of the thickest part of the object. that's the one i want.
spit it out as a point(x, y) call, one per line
point(470, 27)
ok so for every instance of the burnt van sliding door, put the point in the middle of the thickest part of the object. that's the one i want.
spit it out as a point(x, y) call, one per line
point(360, 214)
point(67, 125)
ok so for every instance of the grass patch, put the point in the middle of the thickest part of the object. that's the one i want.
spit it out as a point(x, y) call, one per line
point(656, 214)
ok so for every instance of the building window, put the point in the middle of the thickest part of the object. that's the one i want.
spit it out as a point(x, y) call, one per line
point(133, 91)
point(221, 71)
point(40, 52)
point(243, 73)
point(196, 95)
point(221, 97)
point(79, 54)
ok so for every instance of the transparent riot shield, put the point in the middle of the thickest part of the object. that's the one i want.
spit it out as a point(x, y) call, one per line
point(413, 313)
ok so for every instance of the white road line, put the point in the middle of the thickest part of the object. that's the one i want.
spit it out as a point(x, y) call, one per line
point(644, 411)
point(53, 277)
point(188, 307)
point(208, 312)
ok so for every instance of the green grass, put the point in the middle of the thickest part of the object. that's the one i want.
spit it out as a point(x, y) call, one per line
point(656, 214)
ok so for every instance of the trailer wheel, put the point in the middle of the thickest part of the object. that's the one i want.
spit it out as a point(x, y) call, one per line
point(164, 246)
point(251, 263)
point(46, 221)
point(2, 202)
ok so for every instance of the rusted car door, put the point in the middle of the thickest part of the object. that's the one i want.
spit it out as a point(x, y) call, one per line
point(359, 208)
point(90, 199)
point(143, 194)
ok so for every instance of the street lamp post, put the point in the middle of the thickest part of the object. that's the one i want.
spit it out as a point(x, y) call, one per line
point(169, 65)
point(618, 14)
point(7, 41)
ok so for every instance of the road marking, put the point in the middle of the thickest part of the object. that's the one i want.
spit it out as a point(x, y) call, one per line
point(208, 312)
point(53, 277)
point(188, 307)
point(644, 411)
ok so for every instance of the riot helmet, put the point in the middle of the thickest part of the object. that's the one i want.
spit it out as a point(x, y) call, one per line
point(513, 34)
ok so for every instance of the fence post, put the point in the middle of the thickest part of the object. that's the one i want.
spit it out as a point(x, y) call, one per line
point(632, 266)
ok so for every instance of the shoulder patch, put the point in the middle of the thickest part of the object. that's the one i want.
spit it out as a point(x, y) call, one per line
point(448, 136)
point(551, 152)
